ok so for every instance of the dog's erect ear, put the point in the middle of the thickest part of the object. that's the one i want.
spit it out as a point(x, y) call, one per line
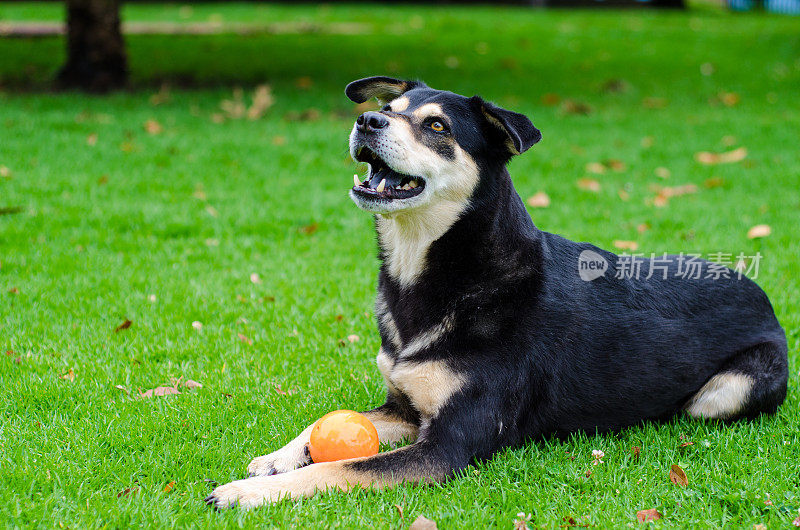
point(383, 88)
point(520, 132)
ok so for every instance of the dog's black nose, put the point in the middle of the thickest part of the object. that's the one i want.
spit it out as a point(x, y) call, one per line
point(371, 121)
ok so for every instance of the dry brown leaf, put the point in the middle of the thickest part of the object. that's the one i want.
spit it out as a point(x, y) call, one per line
point(663, 173)
point(102, 180)
point(551, 99)
point(728, 157)
point(596, 167)
point(13, 290)
point(353, 338)
point(244, 338)
point(423, 523)
point(159, 391)
point(169, 487)
point(624, 195)
point(626, 245)
point(677, 476)
point(304, 82)
point(539, 200)
point(636, 452)
point(759, 231)
point(124, 325)
point(615, 165)
point(676, 191)
point(686, 444)
point(191, 383)
point(152, 127)
point(5, 172)
point(255, 278)
point(713, 182)
point(589, 185)
point(643, 227)
point(68, 376)
point(197, 325)
point(127, 491)
point(729, 99)
point(570, 106)
point(309, 229)
point(162, 96)
point(399, 510)
point(262, 101)
point(91, 140)
point(278, 140)
point(648, 515)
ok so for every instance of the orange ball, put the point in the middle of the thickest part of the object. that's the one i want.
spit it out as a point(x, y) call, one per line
point(342, 434)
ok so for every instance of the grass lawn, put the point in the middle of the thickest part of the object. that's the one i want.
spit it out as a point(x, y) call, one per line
point(167, 227)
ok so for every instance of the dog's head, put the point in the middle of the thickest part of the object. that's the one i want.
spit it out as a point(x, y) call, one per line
point(425, 146)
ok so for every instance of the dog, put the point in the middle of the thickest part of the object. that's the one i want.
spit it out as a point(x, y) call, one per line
point(491, 333)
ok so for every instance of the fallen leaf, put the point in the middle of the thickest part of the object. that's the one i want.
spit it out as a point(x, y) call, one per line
point(262, 101)
point(152, 127)
point(255, 278)
point(127, 491)
point(550, 99)
point(91, 140)
point(615, 86)
point(615, 165)
point(643, 227)
point(570, 106)
point(120, 387)
point(124, 325)
point(309, 229)
point(677, 476)
point(759, 231)
point(5, 172)
point(13, 290)
point(278, 140)
point(729, 99)
point(539, 200)
point(423, 523)
point(353, 338)
point(596, 167)
point(663, 173)
point(626, 245)
point(69, 376)
point(713, 182)
point(191, 383)
point(162, 96)
point(636, 452)
point(7, 210)
point(648, 515)
point(589, 185)
point(759, 526)
point(399, 510)
point(624, 195)
point(728, 157)
point(197, 325)
point(303, 83)
point(169, 487)
point(686, 444)
point(102, 180)
point(244, 338)
point(159, 391)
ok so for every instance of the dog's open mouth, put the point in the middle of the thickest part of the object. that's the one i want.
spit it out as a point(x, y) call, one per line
point(383, 182)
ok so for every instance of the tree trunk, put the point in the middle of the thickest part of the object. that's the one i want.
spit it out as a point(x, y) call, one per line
point(96, 58)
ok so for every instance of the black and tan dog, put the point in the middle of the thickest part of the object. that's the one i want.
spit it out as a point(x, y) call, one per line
point(492, 335)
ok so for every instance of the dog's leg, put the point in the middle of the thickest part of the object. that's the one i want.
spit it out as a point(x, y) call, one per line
point(391, 424)
point(421, 462)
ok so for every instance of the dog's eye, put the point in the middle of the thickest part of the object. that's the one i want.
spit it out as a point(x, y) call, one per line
point(437, 126)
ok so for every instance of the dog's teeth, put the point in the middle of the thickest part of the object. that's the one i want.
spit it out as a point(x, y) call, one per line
point(356, 182)
point(381, 186)
point(406, 186)
point(412, 184)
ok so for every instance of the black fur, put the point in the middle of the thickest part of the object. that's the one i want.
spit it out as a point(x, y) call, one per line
point(543, 351)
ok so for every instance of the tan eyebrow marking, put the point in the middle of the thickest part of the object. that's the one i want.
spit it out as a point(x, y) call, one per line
point(428, 109)
point(399, 104)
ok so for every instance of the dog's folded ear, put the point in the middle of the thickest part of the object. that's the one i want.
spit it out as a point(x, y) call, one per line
point(383, 88)
point(518, 130)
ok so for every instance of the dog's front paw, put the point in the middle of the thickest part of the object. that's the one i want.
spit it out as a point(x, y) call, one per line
point(247, 493)
point(280, 461)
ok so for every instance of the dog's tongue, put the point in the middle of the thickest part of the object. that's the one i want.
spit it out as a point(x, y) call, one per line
point(392, 178)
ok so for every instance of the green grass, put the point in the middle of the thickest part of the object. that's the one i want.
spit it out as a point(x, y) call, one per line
point(104, 227)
